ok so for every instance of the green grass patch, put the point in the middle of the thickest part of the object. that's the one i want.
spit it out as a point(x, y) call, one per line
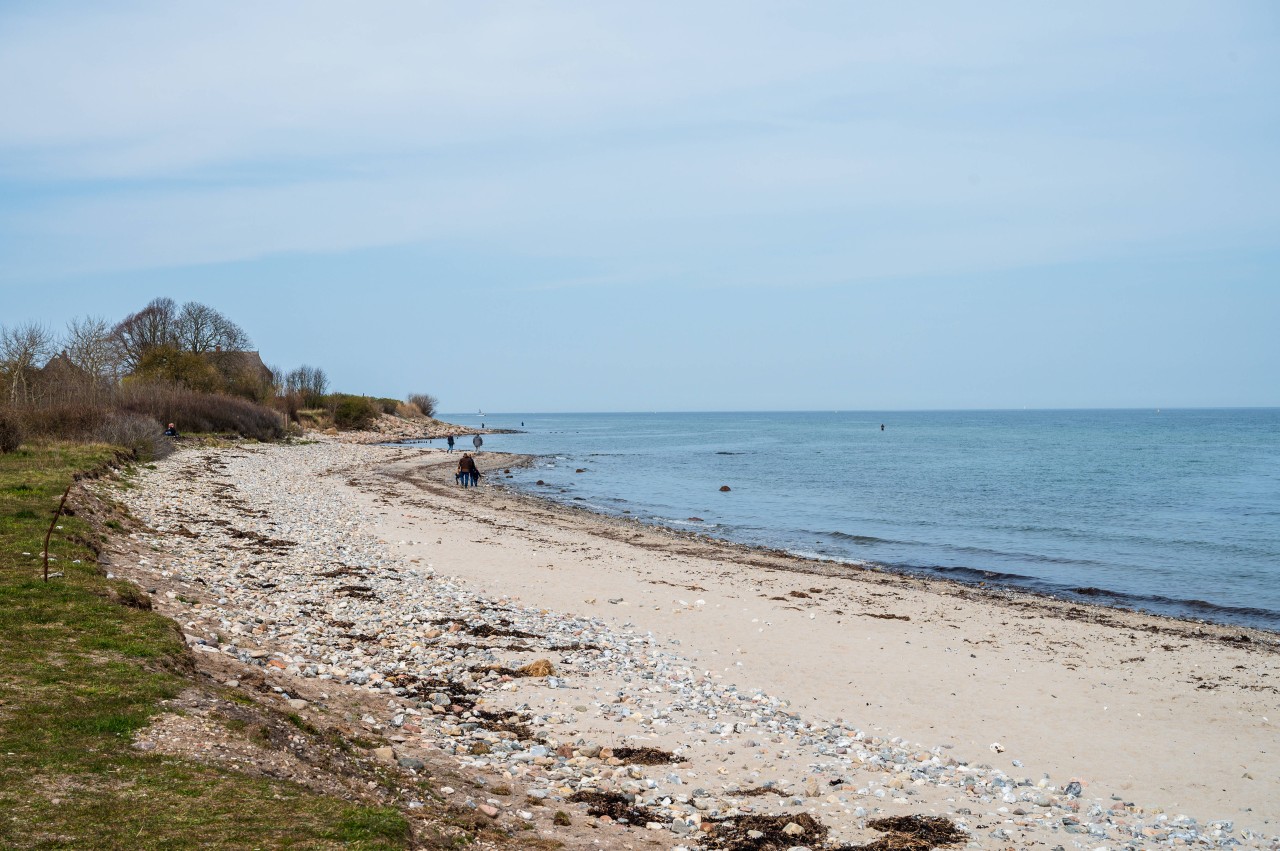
point(374, 826)
point(80, 674)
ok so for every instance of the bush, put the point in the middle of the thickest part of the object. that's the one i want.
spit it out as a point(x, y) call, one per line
point(425, 403)
point(353, 412)
point(143, 435)
point(10, 432)
point(62, 420)
point(289, 404)
point(387, 406)
point(201, 412)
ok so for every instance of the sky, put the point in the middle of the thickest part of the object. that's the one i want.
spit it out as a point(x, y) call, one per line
point(609, 206)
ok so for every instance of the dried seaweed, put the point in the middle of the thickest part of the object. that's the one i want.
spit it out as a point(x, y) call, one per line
point(736, 833)
point(485, 630)
point(911, 833)
point(646, 756)
point(615, 806)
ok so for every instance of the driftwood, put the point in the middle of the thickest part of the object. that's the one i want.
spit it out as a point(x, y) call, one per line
point(49, 534)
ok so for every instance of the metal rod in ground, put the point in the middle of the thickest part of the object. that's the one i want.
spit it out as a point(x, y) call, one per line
point(49, 534)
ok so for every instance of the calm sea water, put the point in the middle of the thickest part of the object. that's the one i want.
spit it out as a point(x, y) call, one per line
point(1174, 511)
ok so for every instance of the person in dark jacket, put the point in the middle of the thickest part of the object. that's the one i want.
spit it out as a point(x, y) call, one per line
point(171, 431)
point(468, 475)
point(449, 440)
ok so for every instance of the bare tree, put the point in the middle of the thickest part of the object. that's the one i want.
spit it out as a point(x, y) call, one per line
point(91, 346)
point(199, 328)
point(425, 402)
point(23, 350)
point(279, 381)
point(150, 327)
point(309, 382)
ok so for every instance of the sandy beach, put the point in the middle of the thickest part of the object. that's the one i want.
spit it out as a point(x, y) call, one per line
point(843, 694)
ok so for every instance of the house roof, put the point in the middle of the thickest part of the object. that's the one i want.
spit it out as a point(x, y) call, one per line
point(61, 366)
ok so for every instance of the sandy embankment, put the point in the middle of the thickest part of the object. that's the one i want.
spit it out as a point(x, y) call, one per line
point(1154, 711)
point(650, 631)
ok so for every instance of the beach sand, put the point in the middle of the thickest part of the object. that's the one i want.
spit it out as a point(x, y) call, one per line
point(1149, 715)
point(1157, 711)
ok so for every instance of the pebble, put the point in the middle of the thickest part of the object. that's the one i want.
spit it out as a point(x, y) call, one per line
point(335, 603)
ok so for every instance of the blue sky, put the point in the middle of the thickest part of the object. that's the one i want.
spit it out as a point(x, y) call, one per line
point(667, 206)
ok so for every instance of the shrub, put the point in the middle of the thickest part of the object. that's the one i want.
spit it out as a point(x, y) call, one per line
point(387, 406)
point(10, 432)
point(425, 403)
point(353, 412)
point(143, 435)
point(289, 404)
point(166, 402)
point(66, 420)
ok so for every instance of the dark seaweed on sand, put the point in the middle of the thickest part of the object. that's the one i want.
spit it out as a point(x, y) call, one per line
point(911, 833)
point(485, 630)
point(615, 806)
point(901, 833)
point(733, 834)
point(646, 756)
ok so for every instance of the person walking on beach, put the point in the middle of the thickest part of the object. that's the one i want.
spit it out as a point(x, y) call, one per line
point(468, 475)
point(449, 440)
point(477, 442)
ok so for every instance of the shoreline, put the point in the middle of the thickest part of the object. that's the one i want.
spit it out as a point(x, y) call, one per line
point(834, 567)
point(1053, 625)
point(755, 672)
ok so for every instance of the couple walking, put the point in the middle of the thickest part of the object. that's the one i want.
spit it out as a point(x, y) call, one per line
point(467, 476)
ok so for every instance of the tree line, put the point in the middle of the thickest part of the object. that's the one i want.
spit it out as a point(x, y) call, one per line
point(163, 363)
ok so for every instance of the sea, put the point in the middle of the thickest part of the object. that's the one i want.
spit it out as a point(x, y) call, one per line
point(1175, 512)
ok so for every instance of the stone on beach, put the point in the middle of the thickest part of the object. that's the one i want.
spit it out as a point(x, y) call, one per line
point(331, 602)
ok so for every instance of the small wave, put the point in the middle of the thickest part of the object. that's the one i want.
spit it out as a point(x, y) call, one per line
point(1159, 604)
point(862, 539)
point(1034, 558)
point(977, 574)
point(870, 540)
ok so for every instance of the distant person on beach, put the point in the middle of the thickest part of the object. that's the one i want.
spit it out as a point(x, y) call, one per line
point(477, 442)
point(171, 431)
point(449, 440)
point(468, 475)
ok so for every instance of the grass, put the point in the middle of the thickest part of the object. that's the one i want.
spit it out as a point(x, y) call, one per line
point(80, 674)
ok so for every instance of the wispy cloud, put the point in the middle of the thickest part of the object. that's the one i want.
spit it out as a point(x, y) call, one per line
point(744, 142)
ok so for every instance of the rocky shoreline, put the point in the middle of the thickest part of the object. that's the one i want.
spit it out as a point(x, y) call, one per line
point(270, 563)
point(392, 429)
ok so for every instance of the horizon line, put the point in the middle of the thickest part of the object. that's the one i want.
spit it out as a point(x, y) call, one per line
point(880, 410)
